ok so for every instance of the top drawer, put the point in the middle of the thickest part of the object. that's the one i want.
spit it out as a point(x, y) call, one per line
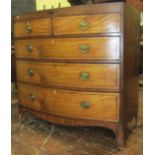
point(33, 27)
point(87, 24)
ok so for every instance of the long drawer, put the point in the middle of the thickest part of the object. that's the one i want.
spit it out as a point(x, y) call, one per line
point(88, 105)
point(97, 48)
point(33, 27)
point(105, 23)
point(103, 76)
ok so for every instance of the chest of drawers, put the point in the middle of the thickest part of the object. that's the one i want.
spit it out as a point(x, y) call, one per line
point(79, 66)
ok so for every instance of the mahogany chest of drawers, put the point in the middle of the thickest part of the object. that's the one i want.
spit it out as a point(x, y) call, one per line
point(79, 66)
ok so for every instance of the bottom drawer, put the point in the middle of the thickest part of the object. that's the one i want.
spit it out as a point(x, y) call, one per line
point(88, 105)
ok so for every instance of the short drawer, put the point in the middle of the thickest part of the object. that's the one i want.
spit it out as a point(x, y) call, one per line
point(33, 27)
point(102, 76)
point(105, 23)
point(98, 48)
point(88, 105)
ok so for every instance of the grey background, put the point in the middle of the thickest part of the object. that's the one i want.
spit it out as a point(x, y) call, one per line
point(22, 6)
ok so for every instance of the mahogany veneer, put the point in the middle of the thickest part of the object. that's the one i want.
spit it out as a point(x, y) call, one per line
point(33, 27)
point(79, 66)
point(104, 48)
point(70, 75)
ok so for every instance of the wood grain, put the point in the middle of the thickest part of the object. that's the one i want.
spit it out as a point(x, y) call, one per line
point(103, 106)
point(39, 27)
point(99, 48)
point(97, 24)
point(111, 85)
point(68, 75)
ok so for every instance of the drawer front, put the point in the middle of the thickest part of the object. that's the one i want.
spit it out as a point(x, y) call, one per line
point(70, 75)
point(33, 27)
point(105, 23)
point(90, 105)
point(70, 48)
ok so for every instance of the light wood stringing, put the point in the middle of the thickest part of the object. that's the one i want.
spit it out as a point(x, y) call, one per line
point(39, 27)
point(100, 48)
point(103, 76)
point(103, 106)
point(97, 24)
point(117, 19)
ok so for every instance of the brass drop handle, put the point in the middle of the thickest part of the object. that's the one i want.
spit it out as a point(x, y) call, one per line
point(84, 48)
point(84, 76)
point(84, 25)
point(31, 97)
point(28, 28)
point(29, 48)
point(85, 105)
point(30, 72)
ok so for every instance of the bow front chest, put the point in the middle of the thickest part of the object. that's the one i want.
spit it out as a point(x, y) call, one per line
point(79, 65)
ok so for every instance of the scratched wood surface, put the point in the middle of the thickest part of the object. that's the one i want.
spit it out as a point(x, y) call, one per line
point(102, 20)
